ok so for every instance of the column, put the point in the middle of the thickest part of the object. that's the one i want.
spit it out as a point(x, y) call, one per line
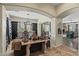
point(39, 29)
point(28, 50)
point(44, 47)
point(2, 30)
point(53, 34)
point(78, 38)
point(58, 37)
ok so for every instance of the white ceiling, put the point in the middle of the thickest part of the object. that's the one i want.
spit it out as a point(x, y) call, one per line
point(28, 15)
point(74, 17)
point(25, 14)
point(56, 4)
point(52, 4)
point(16, 8)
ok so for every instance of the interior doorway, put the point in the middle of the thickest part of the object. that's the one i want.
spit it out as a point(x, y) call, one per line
point(14, 29)
point(70, 31)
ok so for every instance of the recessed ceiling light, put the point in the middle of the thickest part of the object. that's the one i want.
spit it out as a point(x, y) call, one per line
point(28, 14)
point(16, 11)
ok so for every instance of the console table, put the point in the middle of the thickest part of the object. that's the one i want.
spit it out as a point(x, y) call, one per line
point(30, 42)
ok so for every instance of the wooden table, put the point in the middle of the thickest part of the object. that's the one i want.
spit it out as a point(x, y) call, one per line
point(28, 45)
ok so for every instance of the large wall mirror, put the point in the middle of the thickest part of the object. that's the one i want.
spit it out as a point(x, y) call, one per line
point(24, 21)
point(46, 28)
point(15, 29)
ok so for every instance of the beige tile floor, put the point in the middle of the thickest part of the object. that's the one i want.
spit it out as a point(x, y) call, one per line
point(62, 50)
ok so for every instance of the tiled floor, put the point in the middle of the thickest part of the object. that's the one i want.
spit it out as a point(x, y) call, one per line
point(58, 51)
point(62, 50)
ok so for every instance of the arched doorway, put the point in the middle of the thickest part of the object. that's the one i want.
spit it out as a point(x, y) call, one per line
point(74, 23)
point(19, 14)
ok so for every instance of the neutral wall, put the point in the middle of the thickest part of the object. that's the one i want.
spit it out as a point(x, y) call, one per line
point(0, 29)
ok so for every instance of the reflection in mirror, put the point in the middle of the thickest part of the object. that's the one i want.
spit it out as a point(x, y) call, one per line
point(46, 29)
point(27, 27)
point(70, 34)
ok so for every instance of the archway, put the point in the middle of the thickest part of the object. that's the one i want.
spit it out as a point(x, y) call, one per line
point(18, 8)
point(69, 12)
